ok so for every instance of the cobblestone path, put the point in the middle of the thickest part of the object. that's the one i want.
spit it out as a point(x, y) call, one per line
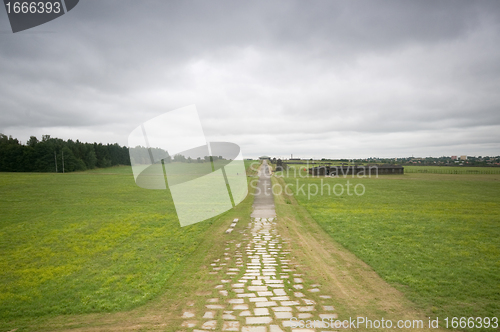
point(260, 289)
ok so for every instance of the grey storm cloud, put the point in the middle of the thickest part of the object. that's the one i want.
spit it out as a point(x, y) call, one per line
point(317, 78)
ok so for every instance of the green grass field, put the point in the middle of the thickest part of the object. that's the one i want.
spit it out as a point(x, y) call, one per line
point(452, 170)
point(435, 237)
point(86, 242)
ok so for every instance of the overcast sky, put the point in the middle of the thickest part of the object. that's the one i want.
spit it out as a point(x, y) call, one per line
point(334, 79)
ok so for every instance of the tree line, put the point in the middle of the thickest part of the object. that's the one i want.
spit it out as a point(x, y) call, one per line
point(57, 155)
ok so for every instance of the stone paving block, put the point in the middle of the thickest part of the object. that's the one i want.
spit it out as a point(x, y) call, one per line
point(282, 308)
point(246, 313)
point(298, 294)
point(258, 299)
point(328, 308)
point(209, 315)
point(280, 298)
point(313, 290)
point(214, 306)
point(240, 307)
point(189, 323)
point(274, 281)
point(306, 308)
point(257, 288)
point(239, 285)
point(265, 304)
point(304, 315)
point(228, 317)
point(235, 301)
point(209, 325)
point(283, 314)
point(279, 292)
point(258, 320)
point(267, 293)
point(231, 326)
point(288, 303)
point(187, 314)
point(246, 295)
point(261, 312)
point(253, 329)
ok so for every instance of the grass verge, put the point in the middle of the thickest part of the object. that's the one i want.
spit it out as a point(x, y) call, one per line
point(434, 237)
point(82, 251)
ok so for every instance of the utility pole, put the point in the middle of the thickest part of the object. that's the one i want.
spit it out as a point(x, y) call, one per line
point(63, 159)
point(55, 159)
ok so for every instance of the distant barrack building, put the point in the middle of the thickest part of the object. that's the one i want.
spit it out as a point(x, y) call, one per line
point(355, 169)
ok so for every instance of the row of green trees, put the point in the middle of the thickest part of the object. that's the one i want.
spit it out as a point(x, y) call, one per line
point(49, 154)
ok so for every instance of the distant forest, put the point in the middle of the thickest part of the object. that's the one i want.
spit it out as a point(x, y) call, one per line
point(47, 155)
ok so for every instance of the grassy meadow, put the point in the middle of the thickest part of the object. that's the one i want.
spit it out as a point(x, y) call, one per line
point(435, 237)
point(452, 169)
point(87, 242)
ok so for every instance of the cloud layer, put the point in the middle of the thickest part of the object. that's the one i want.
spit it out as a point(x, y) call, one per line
point(316, 79)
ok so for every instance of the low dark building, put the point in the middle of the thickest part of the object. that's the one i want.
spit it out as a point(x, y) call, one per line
point(368, 170)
